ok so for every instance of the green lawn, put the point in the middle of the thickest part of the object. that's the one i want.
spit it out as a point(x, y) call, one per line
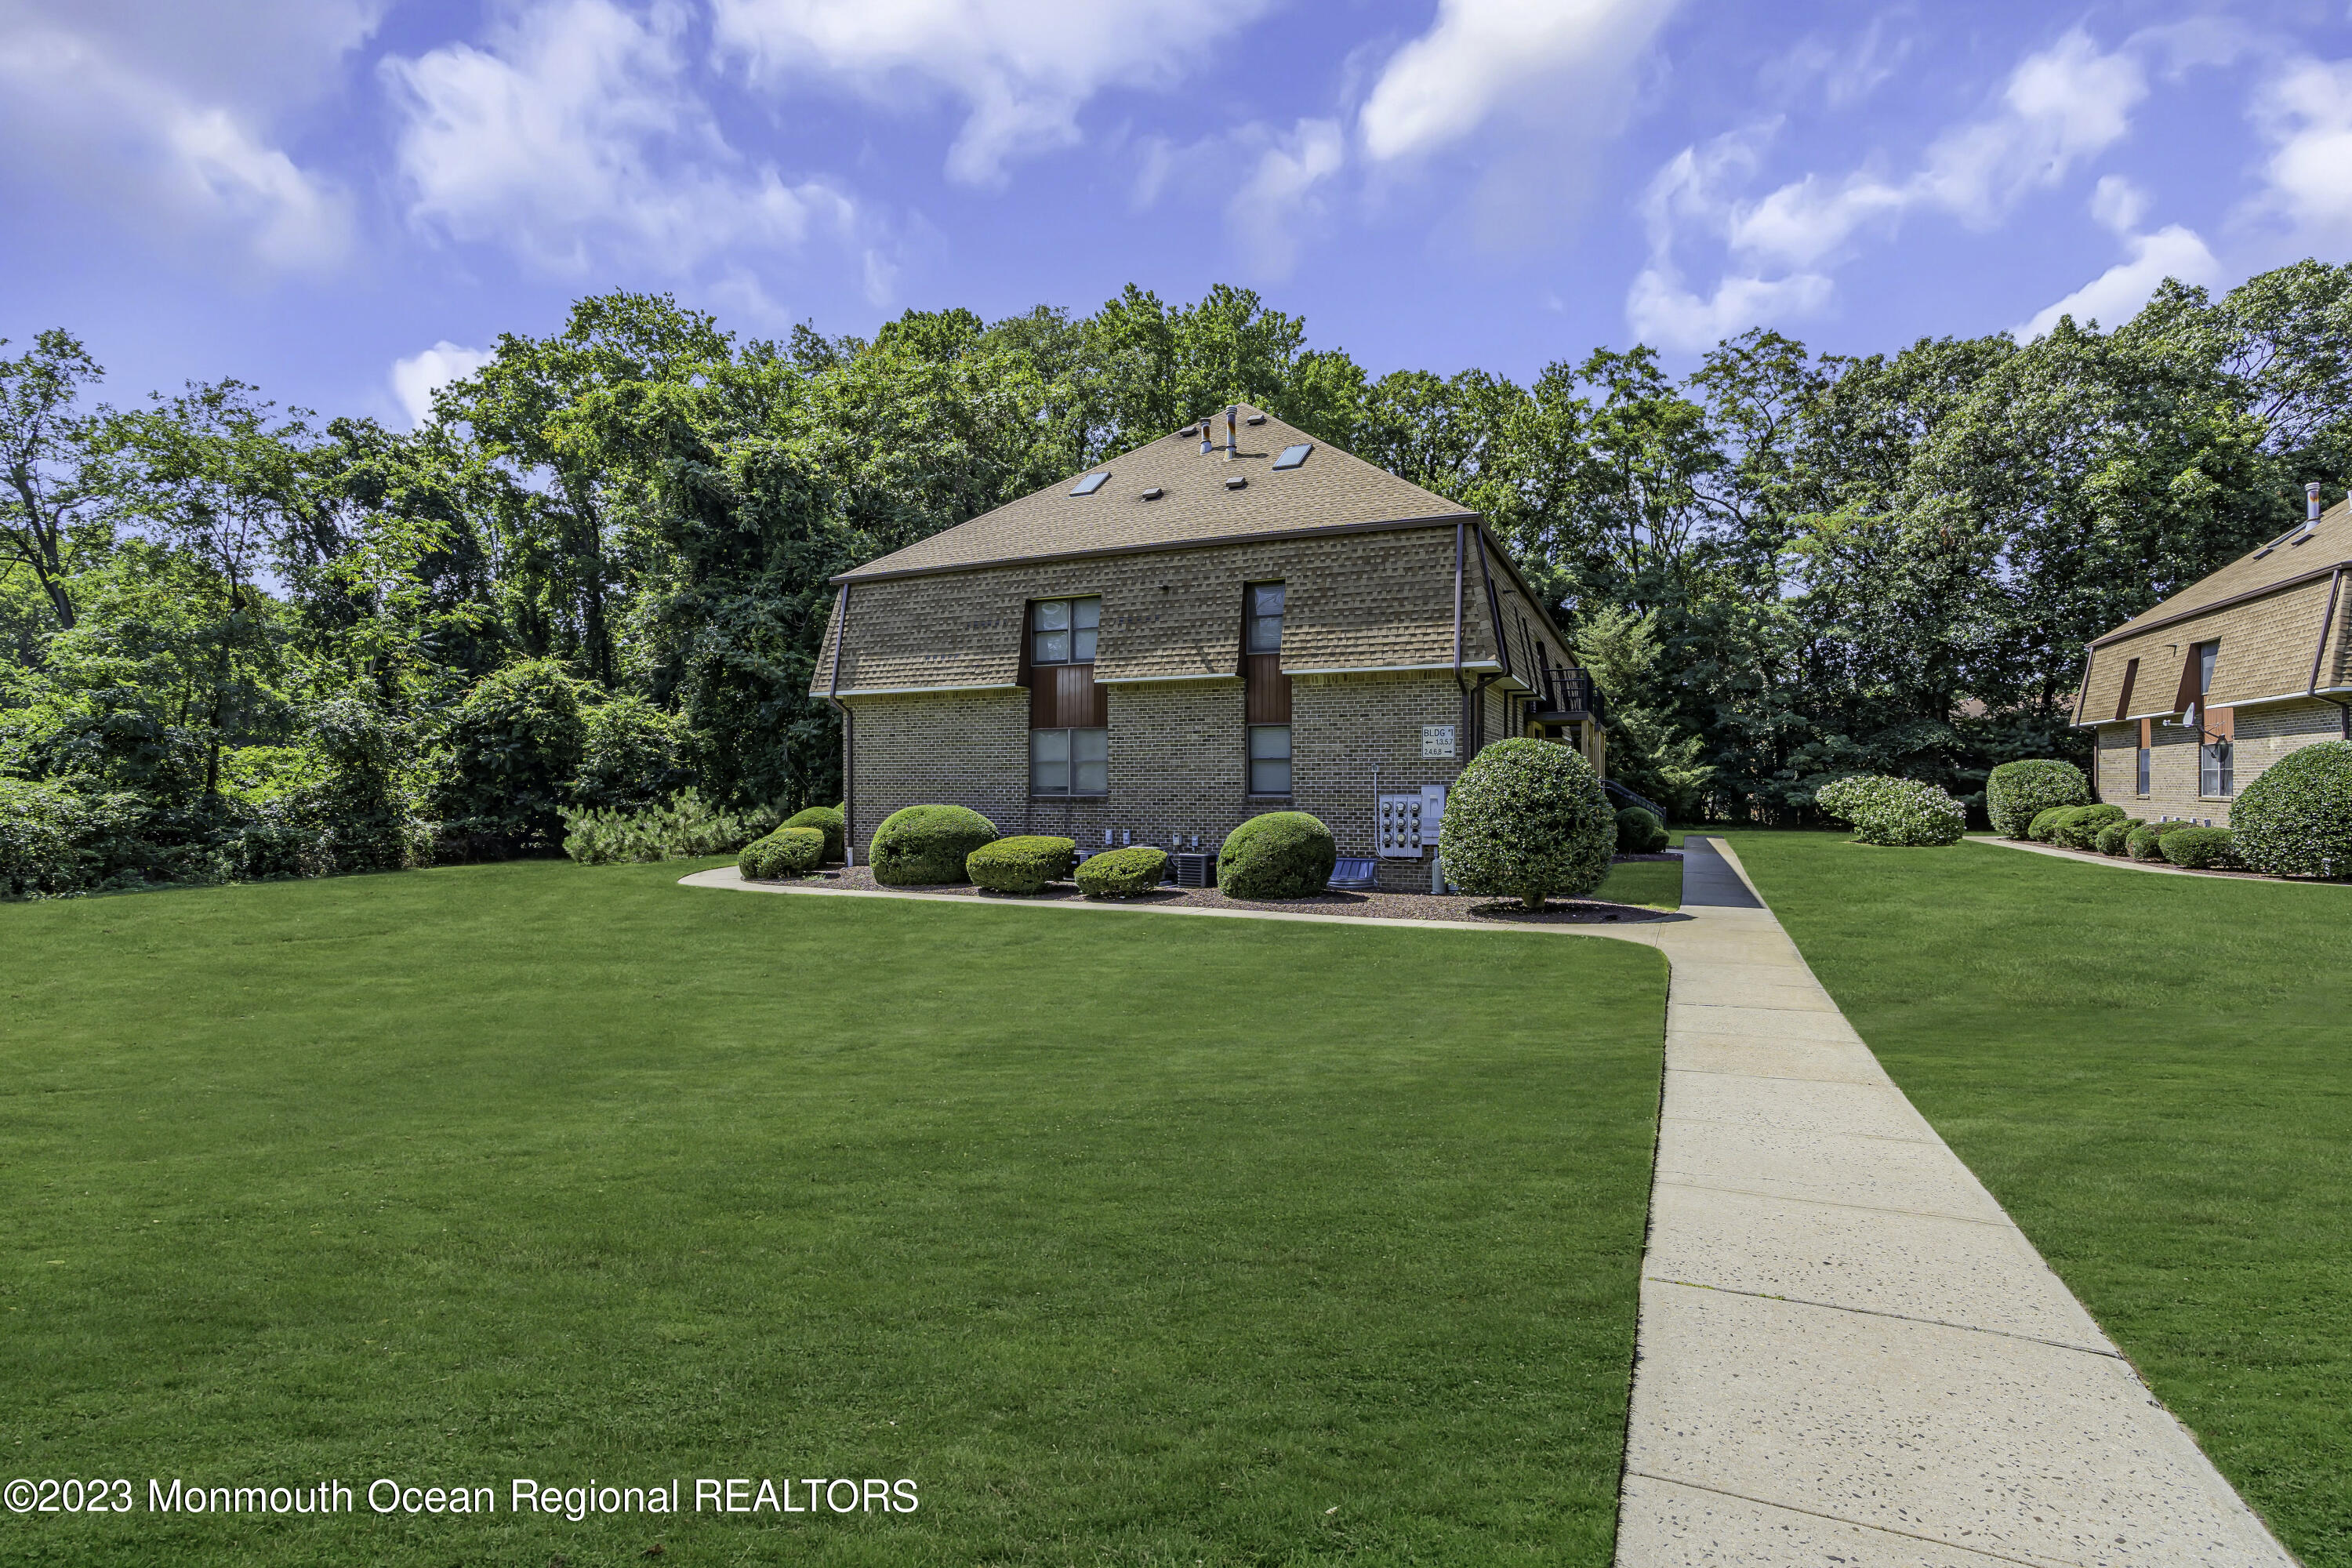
point(2153, 1075)
point(1658, 883)
point(1129, 1238)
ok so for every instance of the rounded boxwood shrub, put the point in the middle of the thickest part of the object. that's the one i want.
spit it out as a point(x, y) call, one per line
point(2295, 819)
point(1024, 863)
point(2077, 827)
point(2113, 836)
point(1895, 813)
point(787, 852)
point(1122, 873)
point(1282, 855)
point(926, 844)
point(1638, 832)
point(2016, 792)
point(829, 820)
point(2199, 848)
point(1527, 820)
point(2143, 844)
point(2043, 821)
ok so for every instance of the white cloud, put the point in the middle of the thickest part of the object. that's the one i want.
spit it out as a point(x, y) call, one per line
point(165, 118)
point(2060, 107)
point(574, 135)
point(2118, 204)
point(417, 377)
point(2305, 113)
point(1665, 313)
point(2114, 296)
point(1024, 68)
point(1486, 59)
point(1279, 197)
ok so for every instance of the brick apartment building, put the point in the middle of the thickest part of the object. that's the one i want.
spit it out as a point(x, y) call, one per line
point(1233, 619)
point(2193, 698)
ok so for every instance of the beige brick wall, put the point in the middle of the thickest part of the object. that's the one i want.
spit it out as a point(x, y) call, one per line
point(1178, 767)
point(2264, 734)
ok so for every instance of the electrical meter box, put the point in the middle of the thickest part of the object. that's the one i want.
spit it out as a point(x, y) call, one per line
point(1398, 832)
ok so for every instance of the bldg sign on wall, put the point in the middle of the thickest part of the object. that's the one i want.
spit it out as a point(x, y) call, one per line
point(1437, 740)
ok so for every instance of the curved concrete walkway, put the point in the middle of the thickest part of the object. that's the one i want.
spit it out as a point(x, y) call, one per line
point(1848, 1353)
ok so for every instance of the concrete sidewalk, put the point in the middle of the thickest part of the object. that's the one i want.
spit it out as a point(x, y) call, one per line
point(1848, 1353)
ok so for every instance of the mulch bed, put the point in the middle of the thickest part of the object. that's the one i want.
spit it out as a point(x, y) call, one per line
point(1466, 910)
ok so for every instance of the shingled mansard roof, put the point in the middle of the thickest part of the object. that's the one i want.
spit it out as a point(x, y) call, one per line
point(1195, 504)
point(2293, 557)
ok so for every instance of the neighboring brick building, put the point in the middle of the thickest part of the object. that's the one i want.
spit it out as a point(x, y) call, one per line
point(1233, 619)
point(2196, 697)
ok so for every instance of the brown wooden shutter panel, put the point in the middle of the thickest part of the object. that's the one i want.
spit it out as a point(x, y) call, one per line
point(2123, 698)
point(2186, 698)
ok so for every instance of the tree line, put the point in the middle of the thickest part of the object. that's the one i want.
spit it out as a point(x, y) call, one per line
point(238, 637)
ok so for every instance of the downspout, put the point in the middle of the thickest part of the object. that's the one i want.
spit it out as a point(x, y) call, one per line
point(848, 731)
point(2327, 623)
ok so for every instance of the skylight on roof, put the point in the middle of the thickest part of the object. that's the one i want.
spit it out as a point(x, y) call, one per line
point(1091, 483)
point(1294, 456)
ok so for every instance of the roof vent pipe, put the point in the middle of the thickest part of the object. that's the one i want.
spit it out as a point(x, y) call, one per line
point(1233, 437)
point(2311, 504)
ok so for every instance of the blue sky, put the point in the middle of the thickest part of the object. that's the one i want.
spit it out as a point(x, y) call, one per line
point(342, 200)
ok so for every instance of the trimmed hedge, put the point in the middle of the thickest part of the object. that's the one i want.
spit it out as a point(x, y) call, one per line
point(1282, 855)
point(2113, 836)
point(1527, 820)
point(787, 852)
point(1024, 863)
point(2200, 849)
point(2038, 828)
point(2016, 792)
point(2077, 827)
point(2295, 819)
point(2143, 844)
point(1123, 873)
point(928, 844)
point(1895, 813)
point(829, 820)
point(1638, 832)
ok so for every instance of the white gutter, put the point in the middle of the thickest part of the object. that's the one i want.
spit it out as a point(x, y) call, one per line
point(917, 690)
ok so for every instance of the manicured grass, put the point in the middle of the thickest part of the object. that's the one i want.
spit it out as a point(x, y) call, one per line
point(1128, 1237)
point(2152, 1073)
point(1658, 883)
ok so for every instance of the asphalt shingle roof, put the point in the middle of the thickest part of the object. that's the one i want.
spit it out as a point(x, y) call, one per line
point(1195, 505)
point(2283, 560)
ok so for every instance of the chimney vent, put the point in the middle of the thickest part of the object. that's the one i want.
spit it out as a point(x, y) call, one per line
point(1232, 432)
point(2311, 504)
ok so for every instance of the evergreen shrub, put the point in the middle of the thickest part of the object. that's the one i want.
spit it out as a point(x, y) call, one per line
point(679, 829)
point(1123, 873)
point(2200, 849)
point(926, 844)
point(2144, 841)
point(2077, 827)
point(1282, 855)
point(787, 852)
point(1527, 820)
point(1024, 863)
point(829, 820)
point(2295, 819)
point(2016, 792)
point(1895, 813)
point(2113, 837)
point(1638, 832)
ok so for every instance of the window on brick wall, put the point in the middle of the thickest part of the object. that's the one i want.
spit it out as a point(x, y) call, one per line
point(1064, 631)
point(2146, 756)
point(2214, 770)
point(1269, 759)
point(1069, 762)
